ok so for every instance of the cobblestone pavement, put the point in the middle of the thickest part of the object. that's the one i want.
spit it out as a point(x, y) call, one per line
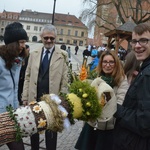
point(66, 139)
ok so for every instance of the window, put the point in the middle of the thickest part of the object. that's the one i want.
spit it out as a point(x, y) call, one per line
point(28, 28)
point(82, 34)
point(35, 28)
point(76, 33)
point(9, 16)
point(2, 30)
point(69, 32)
point(80, 43)
point(3, 16)
point(74, 41)
point(60, 40)
point(14, 17)
point(2, 23)
point(61, 31)
point(40, 28)
point(68, 41)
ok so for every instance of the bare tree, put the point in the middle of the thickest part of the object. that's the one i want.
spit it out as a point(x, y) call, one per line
point(102, 12)
point(138, 10)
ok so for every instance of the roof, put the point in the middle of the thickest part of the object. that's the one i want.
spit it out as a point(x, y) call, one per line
point(125, 29)
point(67, 19)
point(10, 12)
point(128, 26)
point(10, 16)
point(60, 19)
point(35, 14)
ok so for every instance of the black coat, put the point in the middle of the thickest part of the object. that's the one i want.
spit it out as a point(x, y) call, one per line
point(86, 52)
point(132, 129)
point(21, 79)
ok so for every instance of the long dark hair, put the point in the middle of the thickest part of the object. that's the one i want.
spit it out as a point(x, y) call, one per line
point(10, 52)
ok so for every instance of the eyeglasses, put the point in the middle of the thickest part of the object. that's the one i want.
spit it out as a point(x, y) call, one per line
point(142, 41)
point(111, 63)
point(47, 38)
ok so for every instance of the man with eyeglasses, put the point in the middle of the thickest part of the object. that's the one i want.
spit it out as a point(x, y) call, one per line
point(132, 130)
point(46, 73)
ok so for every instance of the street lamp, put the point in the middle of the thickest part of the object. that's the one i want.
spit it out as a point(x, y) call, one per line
point(53, 13)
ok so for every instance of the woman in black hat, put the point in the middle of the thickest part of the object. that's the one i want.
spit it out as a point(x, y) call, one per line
point(11, 56)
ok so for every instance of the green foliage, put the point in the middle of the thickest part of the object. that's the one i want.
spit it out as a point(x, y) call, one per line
point(69, 104)
point(17, 128)
point(89, 99)
point(92, 74)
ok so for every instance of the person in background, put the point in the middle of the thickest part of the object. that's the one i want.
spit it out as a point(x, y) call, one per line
point(101, 137)
point(94, 51)
point(11, 56)
point(47, 72)
point(63, 47)
point(86, 53)
point(22, 74)
point(133, 117)
point(90, 47)
point(131, 66)
point(69, 53)
point(95, 60)
point(101, 48)
point(76, 49)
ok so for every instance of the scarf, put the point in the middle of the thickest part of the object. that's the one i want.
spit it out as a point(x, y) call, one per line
point(108, 80)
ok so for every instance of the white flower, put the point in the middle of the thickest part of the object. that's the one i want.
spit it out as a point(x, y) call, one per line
point(37, 109)
point(42, 123)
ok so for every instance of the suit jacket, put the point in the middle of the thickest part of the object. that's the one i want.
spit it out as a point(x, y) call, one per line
point(58, 71)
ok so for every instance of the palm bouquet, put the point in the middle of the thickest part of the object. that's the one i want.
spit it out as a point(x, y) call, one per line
point(85, 101)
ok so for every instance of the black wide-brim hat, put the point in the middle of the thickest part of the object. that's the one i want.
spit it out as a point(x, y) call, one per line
point(14, 32)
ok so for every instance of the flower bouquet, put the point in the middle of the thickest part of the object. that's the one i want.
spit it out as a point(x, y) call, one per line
point(85, 101)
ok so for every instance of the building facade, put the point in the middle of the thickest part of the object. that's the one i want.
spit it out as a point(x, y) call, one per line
point(70, 29)
point(5, 19)
point(107, 16)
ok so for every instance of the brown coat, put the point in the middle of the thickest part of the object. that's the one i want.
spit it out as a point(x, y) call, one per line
point(57, 78)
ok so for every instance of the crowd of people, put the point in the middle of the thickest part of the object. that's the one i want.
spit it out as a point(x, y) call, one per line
point(25, 76)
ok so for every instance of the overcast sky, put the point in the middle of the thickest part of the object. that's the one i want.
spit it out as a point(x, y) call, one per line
point(74, 7)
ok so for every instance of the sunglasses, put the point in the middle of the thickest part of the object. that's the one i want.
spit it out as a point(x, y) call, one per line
point(47, 38)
